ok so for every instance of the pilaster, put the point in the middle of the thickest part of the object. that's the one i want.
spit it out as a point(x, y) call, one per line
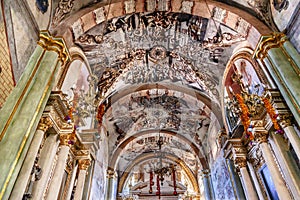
point(21, 113)
point(283, 64)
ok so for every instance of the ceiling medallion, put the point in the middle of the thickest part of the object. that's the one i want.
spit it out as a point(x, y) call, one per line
point(158, 53)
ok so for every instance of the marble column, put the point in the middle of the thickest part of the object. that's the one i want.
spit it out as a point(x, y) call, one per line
point(83, 166)
point(66, 140)
point(241, 163)
point(255, 181)
point(286, 125)
point(261, 135)
point(30, 160)
point(236, 183)
point(282, 61)
point(208, 191)
point(24, 107)
point(46, 160)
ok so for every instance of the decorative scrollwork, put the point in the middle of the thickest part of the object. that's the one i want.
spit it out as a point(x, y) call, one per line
point(64, 7)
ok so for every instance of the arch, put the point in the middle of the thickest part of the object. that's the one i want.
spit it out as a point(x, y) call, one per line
point(259, 28)
point(214, 107)
point(114, 160)
point(76, 54)
point(245, 53)
point(150, 156)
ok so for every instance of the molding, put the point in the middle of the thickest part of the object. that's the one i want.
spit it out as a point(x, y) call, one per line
point(57, 45)
point(268, 42)
point(57, 110)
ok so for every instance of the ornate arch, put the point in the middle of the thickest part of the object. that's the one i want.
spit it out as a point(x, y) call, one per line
point(150, 156)
point(114, 160)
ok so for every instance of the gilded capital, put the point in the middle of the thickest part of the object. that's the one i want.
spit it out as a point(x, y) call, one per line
point(285, 120)
point(261, 136)
point(274, 40)
point(84, 164)
point(240, 162)
point(67, 139)
point(57, 45)
point(44, 124)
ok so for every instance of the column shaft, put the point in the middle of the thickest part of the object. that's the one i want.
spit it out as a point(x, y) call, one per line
point(70, 190)
point(280, 186)
point(207, 189)
point(109, 192)
point(58, 173)
point(256, 183)
point(293, 138)
point(25, 172)
point(249, 189)
point(47, 156)
point(80, 185)
point(287, 164)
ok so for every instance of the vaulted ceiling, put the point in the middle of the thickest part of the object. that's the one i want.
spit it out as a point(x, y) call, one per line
point(159, 68)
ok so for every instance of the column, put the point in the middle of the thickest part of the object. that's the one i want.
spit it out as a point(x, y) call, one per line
point(110, 184)
point(282, 61)
point(286, 125)
point(260, 135)
point(83, 165)
point(70, 190)
point(46, 160)
point(66, 140)
point(29, 162)
point(208, 191)
point(236, 183)
point(24, 107)
point(255, 180)
point(241, 163)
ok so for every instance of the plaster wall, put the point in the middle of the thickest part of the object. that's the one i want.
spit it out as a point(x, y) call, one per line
point(22, 34)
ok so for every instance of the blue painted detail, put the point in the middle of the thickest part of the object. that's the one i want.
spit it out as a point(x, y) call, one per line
point(42, 5)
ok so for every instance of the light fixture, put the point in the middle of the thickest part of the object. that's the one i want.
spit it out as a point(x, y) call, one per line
point(161, 171)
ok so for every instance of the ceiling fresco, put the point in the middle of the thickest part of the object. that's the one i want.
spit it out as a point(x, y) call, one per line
point(159, 67)
point(148, 144)
point(176, 46)
point(158, 109)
